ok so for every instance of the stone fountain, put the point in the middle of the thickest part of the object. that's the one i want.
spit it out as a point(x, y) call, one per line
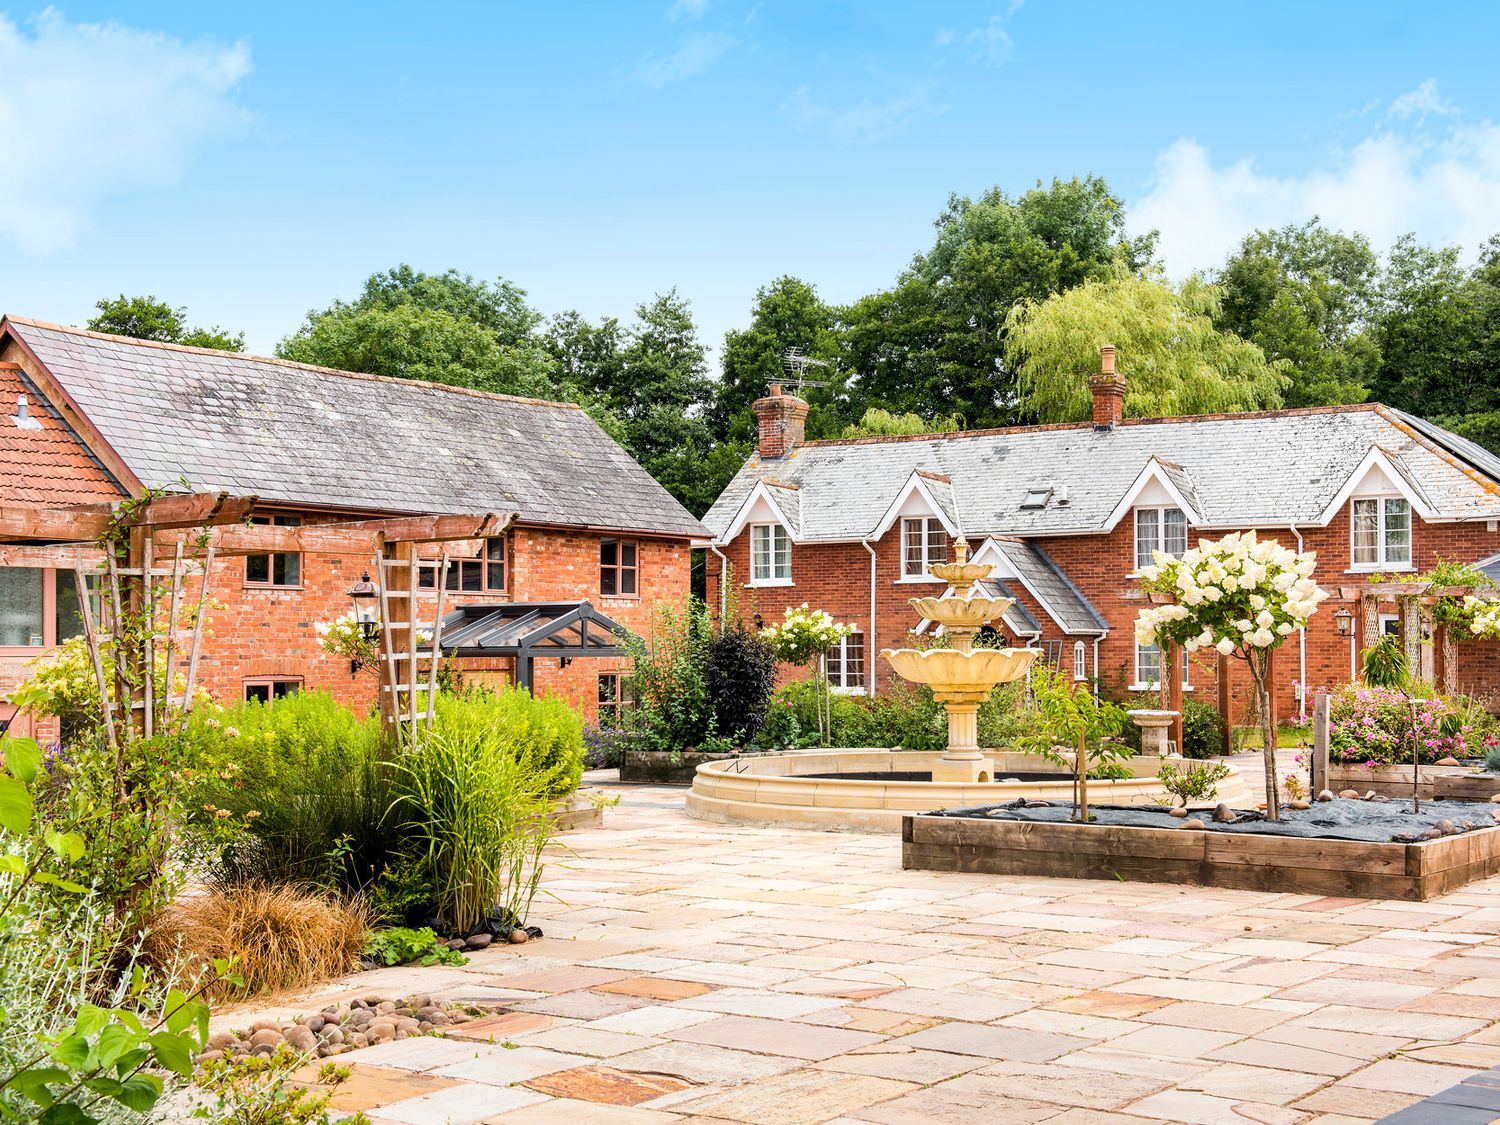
point(961, 677)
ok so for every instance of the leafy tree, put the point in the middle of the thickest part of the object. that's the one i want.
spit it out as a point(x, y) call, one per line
point(876, 422)
point(1176, 361)
point(1307, 295)
point(938, 336)
point(147, 318)
point(787, 313)
point(1432, 332)
point(447, 328)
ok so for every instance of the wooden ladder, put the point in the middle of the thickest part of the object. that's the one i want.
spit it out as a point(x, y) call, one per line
point(408, 674)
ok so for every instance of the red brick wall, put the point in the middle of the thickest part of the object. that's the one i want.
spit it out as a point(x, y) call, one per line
point(256, 632)
point(836, 577)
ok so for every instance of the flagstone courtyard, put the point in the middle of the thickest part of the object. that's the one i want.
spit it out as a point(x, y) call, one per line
point(693, 972)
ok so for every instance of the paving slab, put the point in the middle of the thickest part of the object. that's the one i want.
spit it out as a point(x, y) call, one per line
point(772, 1037)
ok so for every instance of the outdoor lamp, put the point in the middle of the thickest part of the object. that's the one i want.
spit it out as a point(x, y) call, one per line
point(1344, 620)
point(363, 595)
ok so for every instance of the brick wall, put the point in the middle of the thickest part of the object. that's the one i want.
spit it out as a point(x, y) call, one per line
point(836, 577)
point(269, 632)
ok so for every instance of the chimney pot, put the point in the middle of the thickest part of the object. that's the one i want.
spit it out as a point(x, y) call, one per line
point(1108, 391)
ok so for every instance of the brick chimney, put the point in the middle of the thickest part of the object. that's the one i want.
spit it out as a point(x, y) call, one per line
point(1108, 389)
point(782, 419)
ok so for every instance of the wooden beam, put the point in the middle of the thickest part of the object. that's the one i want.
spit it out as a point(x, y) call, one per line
point(194, 509)
point(351, 537)
point(86, 523)
point(82, 524)
point(63, 557)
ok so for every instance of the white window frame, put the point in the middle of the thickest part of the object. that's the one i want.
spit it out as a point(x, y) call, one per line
point(838, 658)
point(775, 551)
point(1144, 684)
point(1080, 661)
point(928, 525)
point(1160, 538)
point(1382, 520)
point(1386, 620)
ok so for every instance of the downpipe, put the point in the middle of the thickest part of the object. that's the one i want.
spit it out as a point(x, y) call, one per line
point(870, 636)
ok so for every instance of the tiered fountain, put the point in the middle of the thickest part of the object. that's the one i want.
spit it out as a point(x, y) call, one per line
point(961, 677)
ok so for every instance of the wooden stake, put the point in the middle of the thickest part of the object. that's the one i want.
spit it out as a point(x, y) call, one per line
point(91, 638)
point(192, 670)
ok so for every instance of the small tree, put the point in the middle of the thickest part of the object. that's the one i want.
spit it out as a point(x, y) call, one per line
point(1242, 597)
point(804, 637)
point(1385, 666)
point(1073, 715)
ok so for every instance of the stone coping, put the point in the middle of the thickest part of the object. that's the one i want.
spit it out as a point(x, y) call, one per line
point(775, 788)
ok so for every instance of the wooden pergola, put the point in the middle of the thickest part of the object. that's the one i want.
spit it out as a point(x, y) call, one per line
point(123, 551)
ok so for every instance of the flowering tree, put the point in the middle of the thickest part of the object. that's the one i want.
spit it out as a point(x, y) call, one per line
point(1483, 617)
point(804, 637)
point(1240, 596)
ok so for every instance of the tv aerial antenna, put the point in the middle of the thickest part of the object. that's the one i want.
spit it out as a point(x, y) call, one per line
point(795, 362)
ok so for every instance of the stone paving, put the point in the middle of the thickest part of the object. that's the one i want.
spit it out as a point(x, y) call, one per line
point(698, 973)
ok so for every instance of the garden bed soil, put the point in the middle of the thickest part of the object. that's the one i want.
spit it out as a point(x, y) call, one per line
point(1368, 849)
point(663, 767)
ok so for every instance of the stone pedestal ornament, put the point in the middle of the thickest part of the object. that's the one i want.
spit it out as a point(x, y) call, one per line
point(961, 677)
point(1156, 728)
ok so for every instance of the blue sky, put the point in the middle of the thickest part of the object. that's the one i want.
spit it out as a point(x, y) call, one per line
point(254, 161)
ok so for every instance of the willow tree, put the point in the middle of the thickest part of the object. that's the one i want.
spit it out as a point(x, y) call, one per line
point(1175, 360)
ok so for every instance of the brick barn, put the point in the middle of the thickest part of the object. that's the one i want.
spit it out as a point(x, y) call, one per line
point(86, 417)
point(1067, 512)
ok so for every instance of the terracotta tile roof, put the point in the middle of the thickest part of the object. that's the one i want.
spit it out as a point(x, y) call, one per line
point(42, 462)
point(311, 435)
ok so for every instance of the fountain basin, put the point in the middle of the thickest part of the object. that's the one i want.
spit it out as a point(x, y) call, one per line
point(949, 671)
point(794, 788)
point(962, 613)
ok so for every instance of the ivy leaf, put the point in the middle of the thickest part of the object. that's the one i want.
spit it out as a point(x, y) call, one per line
point(23, 758)
point(15, 805)
point(175, 1052)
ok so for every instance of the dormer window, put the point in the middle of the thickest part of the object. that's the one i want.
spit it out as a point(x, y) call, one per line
point(924, 541)
point(770, 555)
point(1159, 529)
point(1380, 533)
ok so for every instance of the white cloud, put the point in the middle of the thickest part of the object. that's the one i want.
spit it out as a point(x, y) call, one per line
point(990, 43)
point(696, 54)
point(863, 123)
point(1438, 183)
point(94, 110)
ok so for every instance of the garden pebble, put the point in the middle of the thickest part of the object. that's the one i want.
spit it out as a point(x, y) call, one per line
point(1349, 794)
point(1194, 823)
point(1179, 811)
point(1326, 795)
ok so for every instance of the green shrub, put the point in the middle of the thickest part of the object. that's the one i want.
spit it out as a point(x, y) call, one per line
point(471, 810)
point(1192, 783)
point(1202, 729)
point(907, 718)
point(307, 778)
point(669, 681)
point(402, 945)
point(741, 673)
point(545, 728)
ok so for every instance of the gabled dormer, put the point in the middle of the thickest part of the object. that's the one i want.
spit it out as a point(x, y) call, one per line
point(1162, 503)
point(1380, 496)
point(925, 513)
point(772, 514)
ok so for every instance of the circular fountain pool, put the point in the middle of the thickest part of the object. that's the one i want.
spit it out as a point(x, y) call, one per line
point(870, 790)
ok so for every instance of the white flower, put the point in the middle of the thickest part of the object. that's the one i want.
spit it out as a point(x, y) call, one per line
point(1285, 628)
point(1225, 646)
point(1261, 638)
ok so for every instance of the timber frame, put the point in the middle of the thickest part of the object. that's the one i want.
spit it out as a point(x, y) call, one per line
point(116, 551)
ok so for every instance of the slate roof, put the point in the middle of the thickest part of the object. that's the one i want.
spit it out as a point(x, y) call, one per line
point(1239, 470)
point(1049, 585)
point(42, 461)
point(310, 435)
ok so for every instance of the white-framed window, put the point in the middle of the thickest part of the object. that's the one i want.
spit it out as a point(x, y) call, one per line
point(770, 555)
point(1080, 661)
point(1148, 667)
point(1159, 529)
point(924, 541)
point(1380, 532)
point(1390, 625)
point(846, 663)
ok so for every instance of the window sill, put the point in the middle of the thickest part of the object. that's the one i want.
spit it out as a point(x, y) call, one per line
point(274, 586)
point(26, 650)
point(1156, 688)
point(757, 584)
point(846, 690)
point(920, 580)
point(1381, 570)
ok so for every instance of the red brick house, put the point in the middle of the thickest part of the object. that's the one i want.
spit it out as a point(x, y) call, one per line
point(86, 417)
point(1067, 512)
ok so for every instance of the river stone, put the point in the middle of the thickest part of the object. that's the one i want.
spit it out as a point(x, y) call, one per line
point(1370, 795)
point(381, 1031)
point(220, 1041)
point(265, 1037)
point(300, 1039)
point(1445, 827)
point(1194, 823)
point(356, 1040)
point(1223, 813)
point(519, 936)
point(1326, 795)
point(1179, 811)
point(478, 941)
point(333, 1035)
point(1349, 794)
point(1450, 760)
point(1300, 804)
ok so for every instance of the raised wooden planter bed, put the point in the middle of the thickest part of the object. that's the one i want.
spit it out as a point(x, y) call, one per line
point(1239, 860)
point(1452, 782)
